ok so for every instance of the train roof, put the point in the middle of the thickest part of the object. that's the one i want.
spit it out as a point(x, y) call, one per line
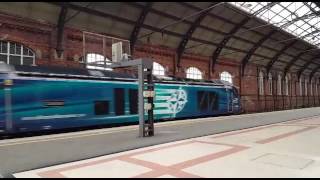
point(82, 73)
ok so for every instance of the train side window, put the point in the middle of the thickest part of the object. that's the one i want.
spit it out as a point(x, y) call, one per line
point(202, 101)
point(213, 101)
point(101, 107)
point(119, 101)
point(133, 101)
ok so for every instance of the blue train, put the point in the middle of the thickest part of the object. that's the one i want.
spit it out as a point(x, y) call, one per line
point(47, 98)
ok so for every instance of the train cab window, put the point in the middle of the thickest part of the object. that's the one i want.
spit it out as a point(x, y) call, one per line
point(207, 101)
point(119, 101)
point(101, 107)
point(133, 101)
point(213, 101)
point(202, 101)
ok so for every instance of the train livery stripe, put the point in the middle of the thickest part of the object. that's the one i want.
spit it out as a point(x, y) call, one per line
point(57, 116)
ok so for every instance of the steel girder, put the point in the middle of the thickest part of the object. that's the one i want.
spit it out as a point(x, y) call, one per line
point(246, 59)
point(188, 34)
point(234, 30)
point(60, 28)
point(138, 25)
point(279, 53)
point(307, 16)
point(294, 60)
point(222, 44)
point(306, 65)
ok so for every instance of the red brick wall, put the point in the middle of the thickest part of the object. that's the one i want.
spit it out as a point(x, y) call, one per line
point(42, 39)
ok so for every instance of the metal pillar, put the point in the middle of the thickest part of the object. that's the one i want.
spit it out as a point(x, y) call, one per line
point(145, 93)
point(149, 125)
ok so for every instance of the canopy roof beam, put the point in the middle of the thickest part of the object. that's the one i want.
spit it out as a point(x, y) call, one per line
point(135, 32)
point(251, 52)
point(278, 54)
point(192, 28)
point(60, 28)
point(306, 65)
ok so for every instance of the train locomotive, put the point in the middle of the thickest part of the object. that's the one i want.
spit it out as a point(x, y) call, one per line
point(47, 98)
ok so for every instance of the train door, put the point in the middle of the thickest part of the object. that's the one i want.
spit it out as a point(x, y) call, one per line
point(229, 100)
point(6, 118)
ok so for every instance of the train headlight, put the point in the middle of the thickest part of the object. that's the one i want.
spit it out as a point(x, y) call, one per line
point(8, 82)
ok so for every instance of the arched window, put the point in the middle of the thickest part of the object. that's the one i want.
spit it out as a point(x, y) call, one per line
point(97, 61)
point(300, 86)
point(261, 83)
point(194, 73)
point(225, 76)
point(317, 93)
point(279, 85)
point(270, 84)
point(287, 85)
point(158, 69)
point(311, 88)
point(305, 87)
point(17, 54)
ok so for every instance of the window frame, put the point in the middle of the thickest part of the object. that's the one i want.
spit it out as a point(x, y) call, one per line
point(194, 73)
point(97, 57)
point(270, 79)
point(300, 87)
point(287, 79)
point(261, 83)
point(226, 76)
point(279, 85)
point(158, 69)
point(16, 53)
point(306, 88)
point(316, 89)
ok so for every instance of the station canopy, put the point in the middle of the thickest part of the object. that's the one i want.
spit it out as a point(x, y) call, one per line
point(299, 18)
point(279, 36)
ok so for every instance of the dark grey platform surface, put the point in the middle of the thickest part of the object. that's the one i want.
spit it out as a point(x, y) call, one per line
point(17, 155)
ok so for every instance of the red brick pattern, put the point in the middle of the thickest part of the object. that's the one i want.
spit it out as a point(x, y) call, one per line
point(41, 38)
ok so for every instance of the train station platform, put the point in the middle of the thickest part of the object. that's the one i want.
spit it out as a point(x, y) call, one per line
point(280, 144)
point(290, 149)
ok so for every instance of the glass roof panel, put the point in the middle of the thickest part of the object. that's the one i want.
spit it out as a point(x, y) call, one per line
point(303, 25)
point(285, 13)
point(297, 18)
point(277, 19)
point(300, 31)
point(277, 8)
point(302, 11)
point(257, 7)
point(314, 21)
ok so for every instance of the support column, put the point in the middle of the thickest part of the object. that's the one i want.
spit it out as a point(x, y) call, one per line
point(145, 92)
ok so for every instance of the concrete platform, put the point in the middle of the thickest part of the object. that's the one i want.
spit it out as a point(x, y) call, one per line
point(290, 149)
point(19, 155)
